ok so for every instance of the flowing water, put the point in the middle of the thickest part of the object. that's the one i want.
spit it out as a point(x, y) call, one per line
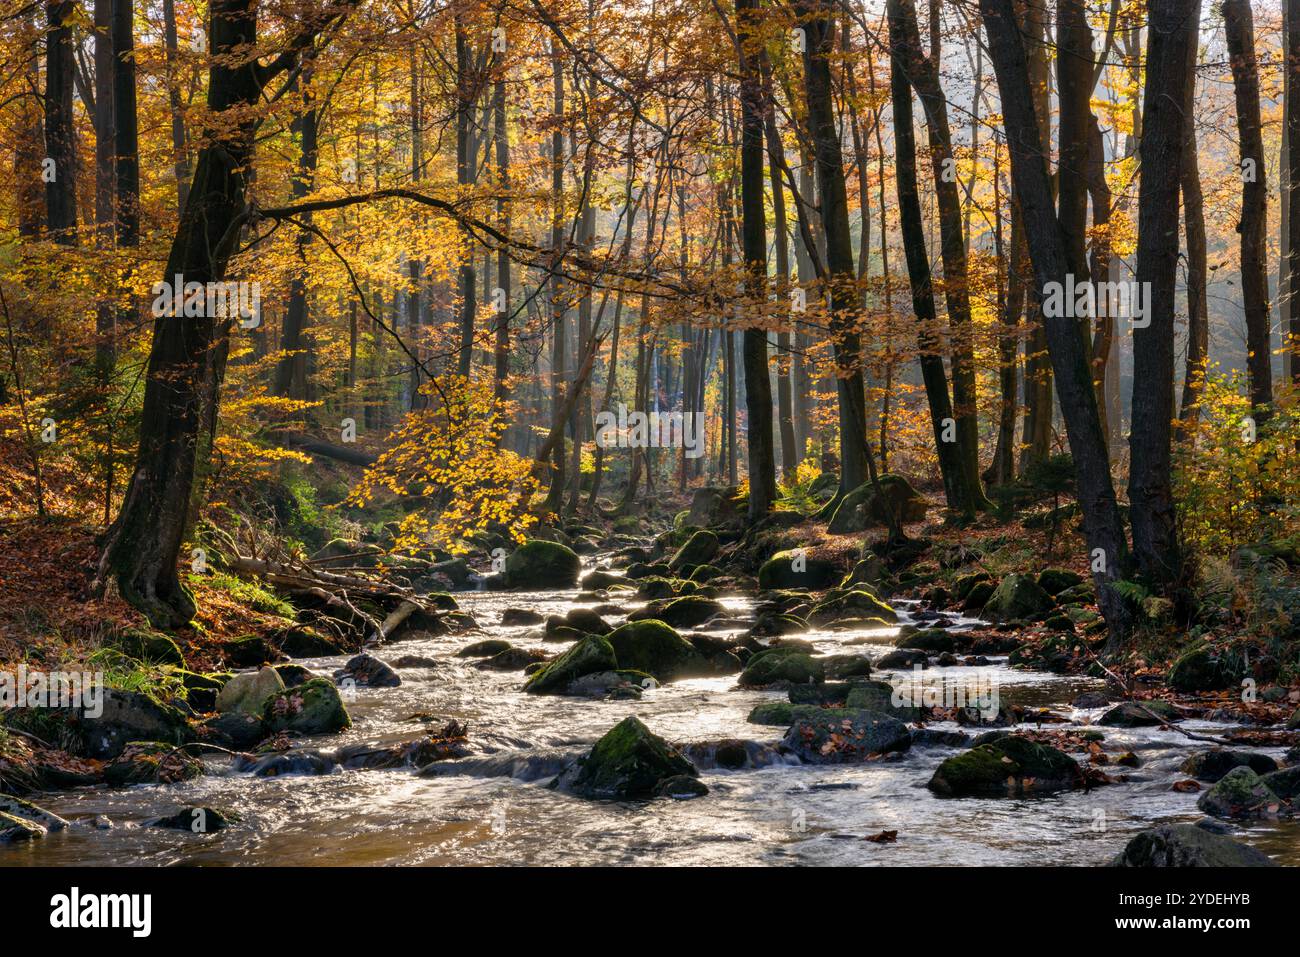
point(783, 814)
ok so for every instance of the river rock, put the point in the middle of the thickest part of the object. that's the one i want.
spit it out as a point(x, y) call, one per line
point(304, 642)
point(588, 655)
point(277, 765)
point(878, 696)
point(367, 671)
point(1239, 794)
point(1132, 714)
point(537, 565)
point(129, 716)
point(236, 729)
point(512, 659)
point(246, 693)
point(797, 569)
point(311, 708)
point(1213, 764)
point(685, 612)
point(838, 735)
point(776, 665)
point(630, 761)
point(599, 579)
point(484, 649)
point(1285, 784)
point(860, 601)
point(196, 820)
point(1008, 765)
point(933, 640)
point(1187, 845)
point(512, 617)
point(1056, 580)
point(1199, 669)
point(1018, 597)
point(17, 807)
point(15, 829)
point(151, 762)
point(903, 659)
point(654, 647)
point(681, 787)
point(862, 507)
point(699, 549)
point(587, 621)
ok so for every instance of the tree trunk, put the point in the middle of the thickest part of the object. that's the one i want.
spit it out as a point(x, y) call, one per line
point(1198, 318)
point(291, 371)
point(144, 542)
point(1103, 527)
point(758, 388)
point(60, 143)
point(181, 165)
point(819, 46)
point(959, 495)
point(1170, 40)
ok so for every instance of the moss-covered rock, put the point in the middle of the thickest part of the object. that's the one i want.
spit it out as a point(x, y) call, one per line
point(589, 655)
point(656, 587)
point(838, 735)
point(537, 565)
point(868, 571)
point(862, 508)
point(781, 713)
point(126, 716)
point(1010, 765)
point(1056, 580)
point(797, 569)
point(1017, 597)
point(775, 665)
point(630, 761)
point(684, 612)
point(1143, 714)
point(303, 642)
point(1240, 793)
point(314, 707)
point(595, 580)
point(587, 621)
point(15, 830)
point(933, 640)
point(196, 820)
point(1186, 845)
point(251, 651)
point(962, 584)
point(1213, 764)
point(1284, 783)
point(152, 646)
point(248, 692)
point(860, 601)
point(484, 649)
point(713, 506)
point(699, 549)
point(655, 648)
point(878, 696)
point(151, 762)
point(1199, 669)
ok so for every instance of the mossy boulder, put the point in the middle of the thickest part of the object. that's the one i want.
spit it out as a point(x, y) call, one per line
point(934, 640)
point(1240, 793)
point(655, 648)
point(1213, 764)
point(587, 621)
point(126, 716)
point(589, 655)
point(782, 713)
point(1199, 669)
point(656, 587)
point(860, 601)
point(699, 549)
point(484, 649)
point(301, 642)
point(151, 646)
point(839, 735)
point(1018, 597)
point(781, 665)
point(247, 693)
point(537, 565)
point(1056, 580)
point(878, 696)
point(1284, 783)
point(704, 573)
point(1143, 714)
point(151, 762)
point(862, 507)
point(15, 830)
point(251, 651)
point(1009, 765)
point(314, 707)
point(630, 761)
point(595, 580)
point(1186, 845)
point(868, 571)
point(797, 569)
point(713, 506)
point(962, 585)
point(684, 612)
point(978, 596)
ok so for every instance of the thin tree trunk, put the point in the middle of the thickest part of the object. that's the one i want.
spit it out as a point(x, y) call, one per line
point(60, 143)
point(1171, 34)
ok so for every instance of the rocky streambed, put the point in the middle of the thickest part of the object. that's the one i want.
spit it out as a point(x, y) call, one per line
point(704, 753)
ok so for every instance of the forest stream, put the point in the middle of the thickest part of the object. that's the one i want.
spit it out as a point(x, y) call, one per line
point(500, 810)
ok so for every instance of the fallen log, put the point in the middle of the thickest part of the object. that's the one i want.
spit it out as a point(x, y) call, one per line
point(340, 453)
